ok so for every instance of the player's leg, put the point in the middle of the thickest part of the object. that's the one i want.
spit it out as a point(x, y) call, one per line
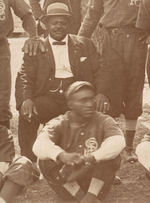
point(5, 83)
point(135, 73)
point(20, 174)
point(99, 181)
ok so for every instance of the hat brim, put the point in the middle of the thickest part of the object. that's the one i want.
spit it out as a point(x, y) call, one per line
point(45, 17)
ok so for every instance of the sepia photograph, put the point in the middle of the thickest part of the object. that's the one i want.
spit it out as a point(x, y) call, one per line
point(74, 101)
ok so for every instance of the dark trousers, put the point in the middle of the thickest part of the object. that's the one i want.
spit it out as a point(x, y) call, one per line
point(48, 107)
point(7, 150)
point(5, 80)
point(104, 171)
point(125, 55)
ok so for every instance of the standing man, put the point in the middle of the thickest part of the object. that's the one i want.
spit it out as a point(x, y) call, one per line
point(74, 5)
point(125, 54)
point(22, 10)
point(143, 22)
point(79, 151)
point(46, 76)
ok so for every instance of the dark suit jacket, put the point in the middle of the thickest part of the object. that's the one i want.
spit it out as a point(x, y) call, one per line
point(86, 64)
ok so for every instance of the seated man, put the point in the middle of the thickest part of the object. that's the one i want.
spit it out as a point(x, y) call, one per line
point(79, 151)
point(46, 76)
point(14, 174)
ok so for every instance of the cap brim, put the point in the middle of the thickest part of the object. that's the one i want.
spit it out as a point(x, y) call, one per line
point(45, 17)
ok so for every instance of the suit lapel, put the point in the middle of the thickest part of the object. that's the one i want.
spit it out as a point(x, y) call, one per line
point(49, 55)
point(74, 58)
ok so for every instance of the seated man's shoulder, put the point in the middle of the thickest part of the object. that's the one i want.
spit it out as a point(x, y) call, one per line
point(58, 121)
point(104, 117)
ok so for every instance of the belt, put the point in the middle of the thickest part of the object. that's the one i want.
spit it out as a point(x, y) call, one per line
point(124, 29)
point(59, 85)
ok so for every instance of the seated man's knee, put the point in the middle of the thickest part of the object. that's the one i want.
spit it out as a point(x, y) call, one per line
point(22, 172)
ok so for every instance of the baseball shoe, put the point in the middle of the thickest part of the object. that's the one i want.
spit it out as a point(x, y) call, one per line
point(117, 180)
point(129, 155)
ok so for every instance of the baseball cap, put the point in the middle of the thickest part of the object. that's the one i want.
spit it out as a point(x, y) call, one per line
point(74, 87)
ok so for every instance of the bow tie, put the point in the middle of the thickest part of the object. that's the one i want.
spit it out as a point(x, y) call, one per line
point(59, 43)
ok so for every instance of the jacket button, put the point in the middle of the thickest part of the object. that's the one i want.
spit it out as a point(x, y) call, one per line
point(80, 146)
point(50, 79)
point(82, 133)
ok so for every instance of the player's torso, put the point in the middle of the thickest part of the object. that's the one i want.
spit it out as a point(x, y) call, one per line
point(120, 12)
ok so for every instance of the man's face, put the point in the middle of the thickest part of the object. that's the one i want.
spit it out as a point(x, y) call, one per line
point(83, 102)
point(57, 27)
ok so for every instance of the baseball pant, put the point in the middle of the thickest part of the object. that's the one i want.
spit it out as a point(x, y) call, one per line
point(104, 171)
point(5, 81)
point(125, 55)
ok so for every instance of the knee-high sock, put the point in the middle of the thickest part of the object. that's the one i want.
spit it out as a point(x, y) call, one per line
point(130, 132)
point(95, 186)
point(9, 191)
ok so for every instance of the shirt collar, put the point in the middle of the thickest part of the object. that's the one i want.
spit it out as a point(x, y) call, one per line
point(51, 40)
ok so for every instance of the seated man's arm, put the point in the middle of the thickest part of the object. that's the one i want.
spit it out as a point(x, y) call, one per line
point(44, 146)
point(92, 17)
point(28, 76)
point(113, 143)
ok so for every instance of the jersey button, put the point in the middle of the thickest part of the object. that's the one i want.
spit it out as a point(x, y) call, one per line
point(82, 133)
point(128, 35)
point(80, 146)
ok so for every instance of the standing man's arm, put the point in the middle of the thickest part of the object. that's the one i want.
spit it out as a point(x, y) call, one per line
point(23, 11)
point(143, 20)
point(92, 17)
point(36, 8)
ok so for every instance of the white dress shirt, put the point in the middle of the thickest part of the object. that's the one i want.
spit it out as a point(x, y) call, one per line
point(61, 57)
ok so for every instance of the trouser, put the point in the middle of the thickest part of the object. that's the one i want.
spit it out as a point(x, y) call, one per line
point(7, 150)
point(104, 171)
point(5, 81)
point(48, 107)
point(125, 55)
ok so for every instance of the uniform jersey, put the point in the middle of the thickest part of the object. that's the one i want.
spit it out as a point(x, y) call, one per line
point(110, 13)
point(120, 12)
point(143, 20)
point(20, 8)
point(84, 139)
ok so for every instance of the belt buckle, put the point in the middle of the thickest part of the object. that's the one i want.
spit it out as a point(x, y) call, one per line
point(114, 31)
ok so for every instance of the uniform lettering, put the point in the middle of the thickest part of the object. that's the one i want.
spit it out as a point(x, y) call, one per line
point(134, 3)
point(2, 10)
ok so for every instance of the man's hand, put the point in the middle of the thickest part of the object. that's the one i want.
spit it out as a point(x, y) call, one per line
point(148, 40)
point(89, 160)
point(70, 158)
point(31, 46)
point(27, 109)
point(102, 103)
